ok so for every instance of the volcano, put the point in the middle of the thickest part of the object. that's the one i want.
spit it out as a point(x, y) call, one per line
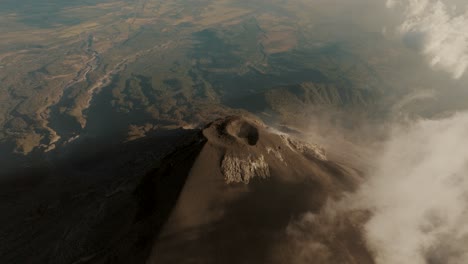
point(245, 189)
point(235, 191)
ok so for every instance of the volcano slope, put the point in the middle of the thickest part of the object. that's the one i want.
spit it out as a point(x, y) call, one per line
point(233, 192)
point(252, 195)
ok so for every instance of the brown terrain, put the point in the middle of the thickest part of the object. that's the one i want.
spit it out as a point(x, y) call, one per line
point(234, 192)
point(159, 63)
point(242, 194)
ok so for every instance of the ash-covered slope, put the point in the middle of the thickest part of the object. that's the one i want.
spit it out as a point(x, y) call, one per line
point(82, 207)
point(247, 191)
point(234, 192)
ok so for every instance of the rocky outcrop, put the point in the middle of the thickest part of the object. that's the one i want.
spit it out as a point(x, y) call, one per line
point(242, 170)
point(305, 148)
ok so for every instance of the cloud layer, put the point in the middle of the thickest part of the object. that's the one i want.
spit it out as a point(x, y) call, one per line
point(440, 30)
point(418, 194)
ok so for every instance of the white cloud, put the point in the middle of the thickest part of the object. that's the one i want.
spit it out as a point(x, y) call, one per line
point(418, 194)
point(442, 31)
